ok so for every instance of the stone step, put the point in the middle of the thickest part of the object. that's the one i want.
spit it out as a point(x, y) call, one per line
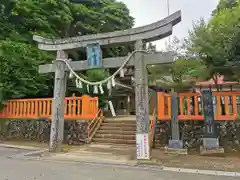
point(114, 141)
point(119, 124)
point(115, 128)
point(115, 136)
point(113, 121)
point(116, 132)
point(108, 146)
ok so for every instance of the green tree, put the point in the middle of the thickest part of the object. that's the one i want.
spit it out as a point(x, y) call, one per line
point(183, 73)
point(19, 74)
point(61, 18)
point(20, 20)
point(205, 45)
point(178, 76)
point(225, 4)
point(217, 42)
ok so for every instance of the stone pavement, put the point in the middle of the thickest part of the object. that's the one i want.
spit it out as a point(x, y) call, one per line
point(117, 154)
point(16, 169)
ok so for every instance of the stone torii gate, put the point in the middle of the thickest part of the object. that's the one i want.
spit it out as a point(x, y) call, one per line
point(139, 60)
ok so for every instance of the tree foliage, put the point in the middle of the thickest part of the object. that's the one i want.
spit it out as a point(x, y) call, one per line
point(21, 19)
point(183, 73)
point(178, 76)
point(217, 42)
point(19, 71)
point(224, 4)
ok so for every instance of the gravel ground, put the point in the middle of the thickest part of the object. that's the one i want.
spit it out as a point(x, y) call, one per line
point(227, 163)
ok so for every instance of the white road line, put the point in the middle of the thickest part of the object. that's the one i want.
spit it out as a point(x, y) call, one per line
point(204, 172)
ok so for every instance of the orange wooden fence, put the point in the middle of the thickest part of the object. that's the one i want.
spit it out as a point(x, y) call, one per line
point(226, 106)
point(84, 107)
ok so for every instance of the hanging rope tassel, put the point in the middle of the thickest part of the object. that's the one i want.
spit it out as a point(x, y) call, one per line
point(101, 89)
point(88, 89)
point(112, 108)
point(113, 82)
point(80, 84)
point(95, 90)
point(122, 73)
point(70, 75)
point(76, 81)
point(109, 85)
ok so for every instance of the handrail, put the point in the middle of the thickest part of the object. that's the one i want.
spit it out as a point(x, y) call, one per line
point(151, 128)
point(94, 125)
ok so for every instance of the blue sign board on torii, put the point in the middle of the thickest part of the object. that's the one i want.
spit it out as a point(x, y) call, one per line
point(94, 56)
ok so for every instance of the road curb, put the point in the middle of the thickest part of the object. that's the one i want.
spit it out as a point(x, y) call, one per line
point(202, 172)
point(31, 155)
point(18, 147)
point(157, 163)
point(154, 162)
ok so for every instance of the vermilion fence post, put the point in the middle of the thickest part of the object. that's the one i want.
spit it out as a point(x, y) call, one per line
point(161, 103)
point(85, 105)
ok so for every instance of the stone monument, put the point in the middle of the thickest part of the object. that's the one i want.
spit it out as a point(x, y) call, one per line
point(210, 139)
point(175, 145)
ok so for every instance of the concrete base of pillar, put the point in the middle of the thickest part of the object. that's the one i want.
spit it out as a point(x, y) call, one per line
point(211, 151)
point(175, 144)
point(176, 151)
point(211, 147)
point(176, 147)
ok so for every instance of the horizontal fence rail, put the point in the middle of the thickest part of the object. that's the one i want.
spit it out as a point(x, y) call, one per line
point(76, 108)
point(226, 106)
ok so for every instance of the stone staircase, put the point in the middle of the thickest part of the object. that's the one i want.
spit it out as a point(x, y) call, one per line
point(116, 131)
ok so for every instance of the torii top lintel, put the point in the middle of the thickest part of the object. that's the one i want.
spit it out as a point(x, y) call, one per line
point(151, 32)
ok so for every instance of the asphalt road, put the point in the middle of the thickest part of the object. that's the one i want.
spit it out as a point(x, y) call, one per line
point(17, 169)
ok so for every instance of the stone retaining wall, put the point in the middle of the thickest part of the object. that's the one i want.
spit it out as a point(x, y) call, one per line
point(191, 132)
point(75, 132)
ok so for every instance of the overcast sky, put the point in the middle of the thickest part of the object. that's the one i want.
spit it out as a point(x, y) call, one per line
point(148, 11)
